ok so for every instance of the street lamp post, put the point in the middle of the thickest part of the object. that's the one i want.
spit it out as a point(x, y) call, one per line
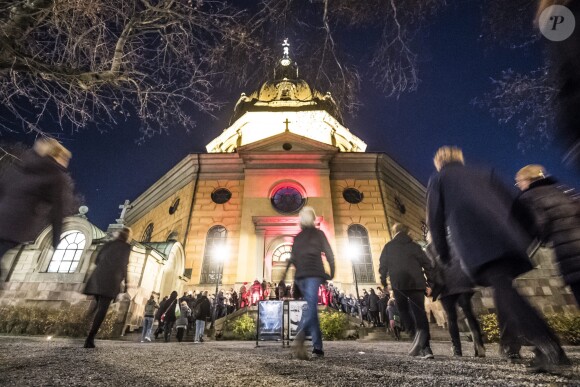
point(220, 253)
point(354, 253)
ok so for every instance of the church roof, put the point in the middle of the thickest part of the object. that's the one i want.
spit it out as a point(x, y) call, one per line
point(162, 247)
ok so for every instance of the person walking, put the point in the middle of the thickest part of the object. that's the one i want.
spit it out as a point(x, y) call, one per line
point(556, 219)
point(182, 322)
point(148, 318)
point(457, 290)
point(409, 270)
point(306, 257)
point(158, 315)
point(469, 214)
point(202, 313)
point(38, 181)
point(168, 315)
point(105, 281)
point(374, 308)
point(394, 318)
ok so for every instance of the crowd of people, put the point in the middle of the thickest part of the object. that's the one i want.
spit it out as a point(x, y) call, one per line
point(480, 236)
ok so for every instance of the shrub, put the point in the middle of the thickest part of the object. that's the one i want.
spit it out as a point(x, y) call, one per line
point(241, 328)
point(333, 325)
point(72, 321)
point(489, 327)
point(567, 326)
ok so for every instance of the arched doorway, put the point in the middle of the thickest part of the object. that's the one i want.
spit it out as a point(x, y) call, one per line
point(172, 270)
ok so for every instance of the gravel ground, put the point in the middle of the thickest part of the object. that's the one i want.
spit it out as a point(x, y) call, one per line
point(34, 361)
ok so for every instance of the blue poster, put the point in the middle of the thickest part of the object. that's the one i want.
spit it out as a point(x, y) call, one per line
point(270, 315)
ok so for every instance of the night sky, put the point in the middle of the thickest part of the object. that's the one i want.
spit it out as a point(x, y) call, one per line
point(456, 67)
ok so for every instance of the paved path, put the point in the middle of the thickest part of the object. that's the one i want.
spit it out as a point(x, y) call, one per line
point(34, 361)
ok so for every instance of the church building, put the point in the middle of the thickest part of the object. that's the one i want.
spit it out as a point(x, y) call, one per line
point(229, 215)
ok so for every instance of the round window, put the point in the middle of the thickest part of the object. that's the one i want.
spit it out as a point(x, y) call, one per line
point(287, 200)
point(221, 195)
point(352, 195)
point(174, 207)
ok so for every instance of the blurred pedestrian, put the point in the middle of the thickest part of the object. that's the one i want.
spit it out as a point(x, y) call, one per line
point(148, 318)
point(182, 321)
point(202, 313)
point(33, 194)
point(394, 318)
point(457, 290)
point(105, 281)
point(306, 257)
point(409, 270)
point(158, 315)
point(556, 219)
point(168, 317)
point(469, 216)
point(374, 308)
point(565, 68)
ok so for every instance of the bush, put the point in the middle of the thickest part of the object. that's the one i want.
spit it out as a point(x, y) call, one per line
point(333, 325)
point(71, 321)
point(489, 327)
point(241, 328)
point(567, 326)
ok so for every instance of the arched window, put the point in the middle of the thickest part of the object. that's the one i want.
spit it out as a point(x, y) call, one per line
point(68, 253)
point(282, 253)
point(358, 237)
point(148, 233)
point(212, 266)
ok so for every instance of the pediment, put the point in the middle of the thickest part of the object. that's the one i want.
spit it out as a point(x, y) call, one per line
point(287, 142)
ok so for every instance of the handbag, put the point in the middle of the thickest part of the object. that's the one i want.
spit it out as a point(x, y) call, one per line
point(177, 311)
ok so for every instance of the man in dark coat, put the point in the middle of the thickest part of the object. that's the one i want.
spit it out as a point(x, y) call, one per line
point(469, 215)
point(556, 220)
point(306, 257)
point(202, 313)
point(105, 281)
point(407, 265)
point(169, 312)
point(33, 194)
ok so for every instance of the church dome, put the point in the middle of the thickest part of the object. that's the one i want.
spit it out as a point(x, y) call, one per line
point(286, 92)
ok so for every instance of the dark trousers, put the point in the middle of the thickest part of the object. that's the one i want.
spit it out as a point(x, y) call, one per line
point(167, 328)
point(411, 304)
point(179, 334)
point(450, 306)
point(100, 311)
point(519, 322)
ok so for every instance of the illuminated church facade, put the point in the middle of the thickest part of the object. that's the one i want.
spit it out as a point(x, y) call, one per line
point(235, 208)
point(230, 215)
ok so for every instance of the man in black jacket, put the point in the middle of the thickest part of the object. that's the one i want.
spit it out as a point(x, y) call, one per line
point(306, 256)
point(202, 313)
point(404, 262)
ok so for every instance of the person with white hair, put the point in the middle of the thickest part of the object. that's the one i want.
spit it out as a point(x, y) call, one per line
point(307, 250)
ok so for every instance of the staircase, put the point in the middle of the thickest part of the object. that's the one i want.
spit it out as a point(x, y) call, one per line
point(381, 334)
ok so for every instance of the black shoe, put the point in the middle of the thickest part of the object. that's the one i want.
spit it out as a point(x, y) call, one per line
point(457, 352)
point(479, 350)
point(201, 339)
point(89, 343)
point(542, 364)
point(318, 353)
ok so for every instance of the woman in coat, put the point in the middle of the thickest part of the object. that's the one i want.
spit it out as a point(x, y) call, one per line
point(181, 322)
point(374, 307)
point(105, 281)
point(556, 220)
point(469, 214)
point(33, 193)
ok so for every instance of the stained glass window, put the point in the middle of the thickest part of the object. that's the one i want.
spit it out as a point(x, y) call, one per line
point(287, 200)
